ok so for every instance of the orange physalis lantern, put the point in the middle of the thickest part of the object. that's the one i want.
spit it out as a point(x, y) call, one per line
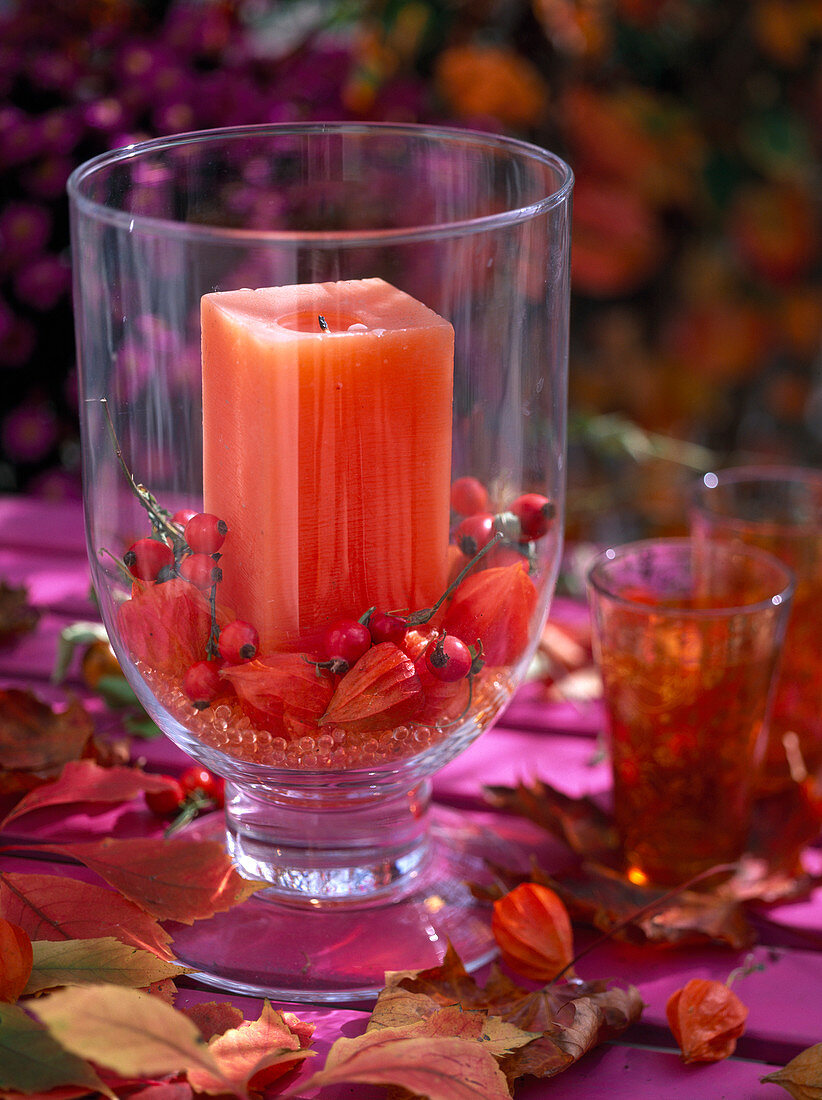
point(706, 1018)
point(533, 931)
point(15, 961)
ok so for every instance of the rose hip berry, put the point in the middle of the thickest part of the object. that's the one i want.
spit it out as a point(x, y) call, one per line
point(535, 514)
point(238, 642)
point(201, 570)
point(198, 780)
point(386, 628)
point(475, 532)
point(182, 516)
point(168, 801)
point(146, 558)
point(448, 658)
point(202, 683)
point(468, 496)
point(346, 640)
point(205, 533)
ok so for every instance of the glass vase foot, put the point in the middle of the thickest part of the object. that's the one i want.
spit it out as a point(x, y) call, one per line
point(338, 951)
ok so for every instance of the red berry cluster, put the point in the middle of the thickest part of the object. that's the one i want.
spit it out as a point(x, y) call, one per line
point(196, 790)
point(189, 547)
point(523, 523)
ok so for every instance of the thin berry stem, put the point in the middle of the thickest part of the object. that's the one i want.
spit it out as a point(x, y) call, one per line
point(643, 910)
point(160, 519)
point(418, 618)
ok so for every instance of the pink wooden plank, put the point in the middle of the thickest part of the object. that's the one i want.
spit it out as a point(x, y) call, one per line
point(25, 522)
point(785, 1009)
point(530, 709)
point(33, 655)
point(626, 1073)
point(504, 756)
point(57, 583)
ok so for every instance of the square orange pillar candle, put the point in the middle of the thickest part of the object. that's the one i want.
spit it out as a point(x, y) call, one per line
point(327, 451)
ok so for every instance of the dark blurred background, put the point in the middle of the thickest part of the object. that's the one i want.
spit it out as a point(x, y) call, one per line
point(694, 128)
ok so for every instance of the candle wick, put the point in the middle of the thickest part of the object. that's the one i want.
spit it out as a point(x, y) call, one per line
point(323, 322)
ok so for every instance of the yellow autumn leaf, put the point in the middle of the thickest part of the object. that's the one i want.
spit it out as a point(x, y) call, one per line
point(75, 962)
point(130, 1032)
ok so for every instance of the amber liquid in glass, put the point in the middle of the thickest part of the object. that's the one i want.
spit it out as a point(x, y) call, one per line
point(684, 732)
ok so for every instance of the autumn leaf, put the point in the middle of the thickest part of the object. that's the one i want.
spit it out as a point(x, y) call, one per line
point(645, 914)
point(706, 1018)
point(533, 931)
point(411, 1058)
point(15, 960)
point(568, 1017)
point(125, 1030)
point(57, 907)
point(578, 822)
point(32, 1060)
point(251, 1055)
point(180, 880)
point(86, 781)
point(214, 1017)
point(396, 1007)
point(34, 737)
point(74, 962)
point(163, 1090)
point(17, 616)
point(802, 1076)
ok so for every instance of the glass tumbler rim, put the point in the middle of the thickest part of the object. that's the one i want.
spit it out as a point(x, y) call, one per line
point(78, 180)
point(597, 582)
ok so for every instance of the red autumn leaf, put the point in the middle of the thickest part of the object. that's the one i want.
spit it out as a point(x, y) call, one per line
point(16, 957)
point(496, 607)
point(34, 737)
point(17, 616)
point(382, 689)
point(533, 931)
point(86, 781)
point(181, 880)
point(706, 1018)
point(163, 1090)
point(56, 907)
point(166, 625)
point(282, 685)
point(252, 1055)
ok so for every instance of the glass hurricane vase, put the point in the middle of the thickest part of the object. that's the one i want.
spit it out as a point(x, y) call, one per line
point(345, 346)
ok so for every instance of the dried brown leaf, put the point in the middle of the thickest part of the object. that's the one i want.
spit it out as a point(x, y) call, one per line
point(802, 1076)
point(17, 616)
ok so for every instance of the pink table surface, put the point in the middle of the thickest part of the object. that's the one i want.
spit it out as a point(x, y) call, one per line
point(42, 546)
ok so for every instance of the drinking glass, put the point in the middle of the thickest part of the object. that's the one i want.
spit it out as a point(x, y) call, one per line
point(779, 509)
point(687, 636)
point(345, 346)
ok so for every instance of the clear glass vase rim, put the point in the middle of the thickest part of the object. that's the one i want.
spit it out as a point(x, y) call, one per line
point(324, 238)
point(599, 584)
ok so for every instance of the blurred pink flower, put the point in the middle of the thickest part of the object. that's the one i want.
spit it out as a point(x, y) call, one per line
point(29, 432)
